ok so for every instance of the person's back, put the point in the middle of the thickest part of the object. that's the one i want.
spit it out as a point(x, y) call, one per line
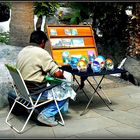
point(34, 64)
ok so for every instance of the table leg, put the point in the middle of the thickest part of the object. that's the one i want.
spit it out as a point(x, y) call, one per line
point(95, 91)
point(79, 87)
point(100, 87)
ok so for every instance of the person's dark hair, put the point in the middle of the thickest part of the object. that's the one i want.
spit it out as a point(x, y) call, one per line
point(37, 37)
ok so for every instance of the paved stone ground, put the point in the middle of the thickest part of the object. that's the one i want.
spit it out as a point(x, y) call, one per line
point(98, 122)
point(116, 82)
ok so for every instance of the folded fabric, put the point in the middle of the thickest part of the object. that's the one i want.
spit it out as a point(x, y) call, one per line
point(62, 92)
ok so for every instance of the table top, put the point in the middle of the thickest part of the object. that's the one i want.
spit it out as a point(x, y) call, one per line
point(89, 71)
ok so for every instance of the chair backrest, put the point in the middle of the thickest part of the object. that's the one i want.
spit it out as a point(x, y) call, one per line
point(19, 83)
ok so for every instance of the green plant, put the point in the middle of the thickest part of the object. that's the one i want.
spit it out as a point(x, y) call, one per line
point(45, 8)
point(4, 37)
point(79, 12)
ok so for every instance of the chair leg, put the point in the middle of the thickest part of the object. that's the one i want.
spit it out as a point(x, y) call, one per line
point(18, 131)
point(10, 113)
point(62, 120)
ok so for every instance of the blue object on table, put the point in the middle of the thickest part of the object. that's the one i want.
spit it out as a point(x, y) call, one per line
point(74, 61)
point(95, 66)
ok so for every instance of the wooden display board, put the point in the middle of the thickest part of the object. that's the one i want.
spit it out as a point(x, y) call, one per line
point(76, 39)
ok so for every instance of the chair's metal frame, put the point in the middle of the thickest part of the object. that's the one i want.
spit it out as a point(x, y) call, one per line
point(24, 98)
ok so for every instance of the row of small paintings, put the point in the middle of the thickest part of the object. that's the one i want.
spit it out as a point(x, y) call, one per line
point(53, 32)
point(67, 42)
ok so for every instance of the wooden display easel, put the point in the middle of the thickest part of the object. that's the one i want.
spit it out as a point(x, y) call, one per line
point(76, 39)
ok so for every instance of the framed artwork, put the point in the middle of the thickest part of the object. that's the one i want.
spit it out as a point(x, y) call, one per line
point(78, 42)
point(67, 31)
point(53, 32)
point(66, 42)
point(56, 42)
point(71, 31)
point(74, 32)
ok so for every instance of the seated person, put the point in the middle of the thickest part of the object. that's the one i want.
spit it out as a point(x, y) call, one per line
point(34, 63)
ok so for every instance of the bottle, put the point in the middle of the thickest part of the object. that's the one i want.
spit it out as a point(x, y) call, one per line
point(91, 56)
point(66, 57)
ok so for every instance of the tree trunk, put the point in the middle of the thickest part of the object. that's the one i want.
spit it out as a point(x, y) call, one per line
point(39, 23)
point(22, 23)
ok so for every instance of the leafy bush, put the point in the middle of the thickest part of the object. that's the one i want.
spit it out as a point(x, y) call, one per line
point(4, 37)
point(45, 8)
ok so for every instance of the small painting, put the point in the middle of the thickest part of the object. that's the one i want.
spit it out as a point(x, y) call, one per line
point(74, 32)
point(53, 32)
point(56, 42)
point(66, 42)
point(67, 31)
point(78, 42)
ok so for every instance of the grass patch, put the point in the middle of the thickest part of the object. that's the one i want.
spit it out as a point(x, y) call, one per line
point(4, 37)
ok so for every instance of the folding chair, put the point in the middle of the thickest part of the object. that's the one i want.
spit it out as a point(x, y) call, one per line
point(24, 98)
